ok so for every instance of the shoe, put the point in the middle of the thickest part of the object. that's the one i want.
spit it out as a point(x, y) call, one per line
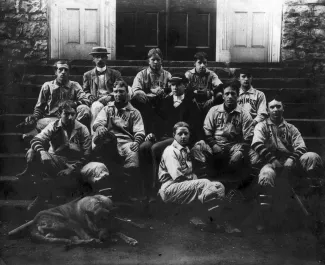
point(36, 205)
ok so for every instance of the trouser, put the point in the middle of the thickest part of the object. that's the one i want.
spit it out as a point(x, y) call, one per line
point(51, 169)
point(83, 116)
point(150, 156)
point(217, 165)
point(150, 112)
point(189, 191)
point(275, 185)
point(95, 108)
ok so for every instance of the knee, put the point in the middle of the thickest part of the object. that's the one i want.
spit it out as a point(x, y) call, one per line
point(83, 110)
point(267, 176)
point(312, 163)
point(96, 106)
point(220, 189)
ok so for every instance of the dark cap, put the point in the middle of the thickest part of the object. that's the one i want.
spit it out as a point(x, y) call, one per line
point(178, 78)
point(99, 50)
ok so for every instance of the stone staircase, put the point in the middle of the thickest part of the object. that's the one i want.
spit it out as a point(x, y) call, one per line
point(304, 107)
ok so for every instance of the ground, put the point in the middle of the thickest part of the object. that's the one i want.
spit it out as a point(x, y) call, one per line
point(171, 239)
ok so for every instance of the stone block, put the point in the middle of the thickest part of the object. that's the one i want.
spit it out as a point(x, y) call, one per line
point(7, 5)
point(40, 45)
point(318, 33)
point(38, 17)
point(36, 56)
point(288, 43)
point(21, 44)
point(292, 2)
point(294, 11)
point(313, 1)
point(288, 54)
point(16, 17)
point(34, 29)
point(319, 10)
point(30, 6)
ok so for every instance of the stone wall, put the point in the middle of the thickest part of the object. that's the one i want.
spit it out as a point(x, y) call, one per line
point(303, 35)
point(24, 35)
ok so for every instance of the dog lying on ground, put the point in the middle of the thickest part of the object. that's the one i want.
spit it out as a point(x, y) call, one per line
point(82, 221)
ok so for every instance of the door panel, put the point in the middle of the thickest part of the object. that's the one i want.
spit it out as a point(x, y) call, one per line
point(178, 27)
point(248, 27)
point(79, 29)
point(140, 27)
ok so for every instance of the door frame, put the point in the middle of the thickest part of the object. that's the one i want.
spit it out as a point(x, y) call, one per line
point(223, 37)
point(107, 26)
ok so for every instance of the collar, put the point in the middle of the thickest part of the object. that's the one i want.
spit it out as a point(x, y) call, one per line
point(222, 108)
point(152, 72)
point(67, 85)
point(101, 69)
point(178, 98)
point(180, 147)
point(193, 71)
point(282, 124)
point(127, 107)
point(76, 126)
point(251, 90)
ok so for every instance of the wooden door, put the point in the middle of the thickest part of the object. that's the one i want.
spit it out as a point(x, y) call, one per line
point(249, 26)
point(79, 25)
point(140, 26)
point(80, 29)
point(248, 30)
point(191, 28)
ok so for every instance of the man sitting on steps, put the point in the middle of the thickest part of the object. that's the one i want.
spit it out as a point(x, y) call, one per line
point(51, 95)
point(60, 150)
point(98, 83)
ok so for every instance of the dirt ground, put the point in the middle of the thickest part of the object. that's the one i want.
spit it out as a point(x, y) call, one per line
point(172, 240)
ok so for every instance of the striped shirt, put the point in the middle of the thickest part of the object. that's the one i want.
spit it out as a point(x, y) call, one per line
point(273, 141)
point(55, 139)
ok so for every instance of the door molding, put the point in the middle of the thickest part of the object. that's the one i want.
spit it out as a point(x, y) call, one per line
point(223, 36)
point(107, 25)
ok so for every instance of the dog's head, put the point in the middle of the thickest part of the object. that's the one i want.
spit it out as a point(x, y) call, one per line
point(100, 210)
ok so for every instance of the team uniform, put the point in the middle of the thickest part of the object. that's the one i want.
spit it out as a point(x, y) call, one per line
point(52, 94)
point(65, 151)
point(127, 125)
point(100, 84)
point(281, 142)
point(230, 131)
point(207, 83)
point(254, 102)
point(179, 183)
point(148, 81)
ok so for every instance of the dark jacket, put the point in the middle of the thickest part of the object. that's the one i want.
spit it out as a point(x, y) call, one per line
point(90, 81)
point(186, 111)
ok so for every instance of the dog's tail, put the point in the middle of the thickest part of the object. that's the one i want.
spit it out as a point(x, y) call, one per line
point(20, 231)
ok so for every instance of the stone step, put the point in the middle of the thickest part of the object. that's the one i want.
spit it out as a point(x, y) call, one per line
point(291, 63)
point(292, 110)
point(8, 122)
point(257, 82)
point(257, 72)
point(292, 95)
point(12, 164)
point(13, 142)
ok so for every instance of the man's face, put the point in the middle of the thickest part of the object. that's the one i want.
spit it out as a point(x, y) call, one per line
point(155, 62)
point(230, 97)
point(100, 59)
point(178, 89)
point(68, 117)
point(245, 80)
point(182, 136)
point(62, 73)
point(275, 109)
point(201, 66)
point(120, 94)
